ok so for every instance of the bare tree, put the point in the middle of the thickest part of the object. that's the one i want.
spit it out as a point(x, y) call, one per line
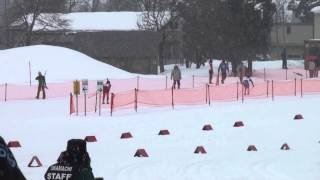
point(28, 14)
point(71, 4)
point(157, 15)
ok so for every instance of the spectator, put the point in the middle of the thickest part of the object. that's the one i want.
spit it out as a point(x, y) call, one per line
point(210, 71)
point(106, 90)
point(42, 85)
point(312, 69)
point(176, 76)
point(241, 70)
point(223, 67)
point(9, 169)
point(284, 58)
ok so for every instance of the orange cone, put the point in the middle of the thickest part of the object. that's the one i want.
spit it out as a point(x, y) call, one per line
point(38, 163)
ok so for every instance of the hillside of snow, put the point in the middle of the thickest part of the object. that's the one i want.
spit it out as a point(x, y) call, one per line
point(60, 64)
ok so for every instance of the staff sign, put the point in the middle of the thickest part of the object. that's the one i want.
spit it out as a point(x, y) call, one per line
point(85, 87)
point(76, 87)
point(99, 85)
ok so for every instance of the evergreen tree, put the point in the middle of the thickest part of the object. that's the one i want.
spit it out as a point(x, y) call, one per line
point(234, 30)
point(303, 11)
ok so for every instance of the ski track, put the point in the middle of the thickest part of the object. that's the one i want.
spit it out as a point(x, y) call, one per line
point(265, 170)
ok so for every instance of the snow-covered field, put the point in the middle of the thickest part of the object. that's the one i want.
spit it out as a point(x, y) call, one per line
point(44, 126)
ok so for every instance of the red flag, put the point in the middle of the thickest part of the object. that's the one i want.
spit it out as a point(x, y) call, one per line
point(72, 109)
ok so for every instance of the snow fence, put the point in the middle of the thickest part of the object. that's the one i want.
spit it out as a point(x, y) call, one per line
point(206, 94)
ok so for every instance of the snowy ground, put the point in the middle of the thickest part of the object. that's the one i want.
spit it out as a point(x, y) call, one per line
point(44, 126)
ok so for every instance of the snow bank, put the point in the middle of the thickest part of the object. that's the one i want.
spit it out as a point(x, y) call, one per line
point(316, 10)
point(91, 21)
point(60, 64)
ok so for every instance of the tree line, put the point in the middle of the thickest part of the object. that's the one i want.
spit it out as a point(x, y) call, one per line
point(234, 30)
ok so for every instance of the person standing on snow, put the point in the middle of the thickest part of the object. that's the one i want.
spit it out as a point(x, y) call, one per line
point(223, 67)
point(210, 71)
point(246, 84)
point(42, 85)
point(176, 76)
point(284, 58)
point(106, 90)
point(241, 70)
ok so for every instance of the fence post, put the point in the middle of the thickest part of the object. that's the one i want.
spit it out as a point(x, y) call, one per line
point(96, 102)
point(267, 88)
point(172, 102)
point(138, 82)
point(301, 88)
point(85, 104)
point(77, 105)
point(242, 98)
point(286, 74)
point(136, 100)
point(99, 103)
point(237, 91)
point(264, 74)
point(209, 96)
point(192, 81)
point(71, 106)
point(29, 73)
point(206, 93)
point(295, 86)
point(5, 91)
point(111, 105)
point(272, 90)
point(166, 82)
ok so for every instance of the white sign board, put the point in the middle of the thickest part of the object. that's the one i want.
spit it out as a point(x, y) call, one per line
point(85, 87)
point(99, 85)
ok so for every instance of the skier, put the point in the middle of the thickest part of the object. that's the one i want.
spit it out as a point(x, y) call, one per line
point(74, 163)
point(246, 84)
point(176, 76)
point(210, 71)
point(106, 90)
point(9, 169)
point(42, 85)
point(224, 68)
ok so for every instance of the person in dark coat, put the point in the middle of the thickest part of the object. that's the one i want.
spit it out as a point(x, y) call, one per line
point(210, 71)
point(106, 90)
point(72, 164)
point(176, 76)
point(284, 58)
point(9, 169)
point(223, 67)
point(41, 85)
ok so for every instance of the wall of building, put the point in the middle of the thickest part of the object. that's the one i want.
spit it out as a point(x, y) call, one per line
point(292, 37)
